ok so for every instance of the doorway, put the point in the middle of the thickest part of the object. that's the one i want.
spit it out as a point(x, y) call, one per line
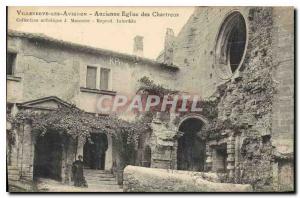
point(48, 156)
point(191, 148)
point(219, 156)
point(94, 151)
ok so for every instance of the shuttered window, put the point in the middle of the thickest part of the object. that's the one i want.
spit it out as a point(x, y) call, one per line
point(104, 78)
point(91, 75)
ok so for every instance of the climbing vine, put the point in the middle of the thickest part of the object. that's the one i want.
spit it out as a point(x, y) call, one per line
point(74, 123)
point(147, 85)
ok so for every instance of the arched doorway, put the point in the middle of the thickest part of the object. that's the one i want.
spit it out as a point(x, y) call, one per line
point(94, 151)
point(48, 156)
point(191, 148)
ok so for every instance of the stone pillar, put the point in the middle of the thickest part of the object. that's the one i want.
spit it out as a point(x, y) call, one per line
point(162, 144)
point(208, 158)
point(80, 145)
point(27, 154)
point(275, 170)
point(108, 154)
point(237, 157)
point(230, 156)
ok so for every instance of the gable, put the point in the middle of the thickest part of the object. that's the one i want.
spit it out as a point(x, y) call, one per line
point(47, 103)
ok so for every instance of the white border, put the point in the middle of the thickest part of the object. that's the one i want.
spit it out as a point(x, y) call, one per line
point(5, 3)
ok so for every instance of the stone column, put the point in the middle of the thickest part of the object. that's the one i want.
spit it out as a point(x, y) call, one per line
point(275, 171)
point(208, 158)
point(161, 144)
point(230, 156)
point(27, 153)
point(108, 154)
point(80, 145)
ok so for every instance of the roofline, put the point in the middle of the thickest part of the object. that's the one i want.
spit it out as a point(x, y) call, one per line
point(27, 104)
point(86, 48)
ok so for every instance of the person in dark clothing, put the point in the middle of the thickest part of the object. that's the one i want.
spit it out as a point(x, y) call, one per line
point(77, 172)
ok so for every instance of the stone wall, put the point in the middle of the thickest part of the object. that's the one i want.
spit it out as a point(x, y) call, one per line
point(283, 59)
point(47, 69)
point(259, 98)
point(194, 50)
point(140, 179)
point(248, 101)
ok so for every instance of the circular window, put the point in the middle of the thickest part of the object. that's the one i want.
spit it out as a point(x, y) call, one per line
point(230, 46)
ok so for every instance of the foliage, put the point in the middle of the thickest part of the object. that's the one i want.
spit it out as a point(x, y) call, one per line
point(150, 87)
point(75, 123)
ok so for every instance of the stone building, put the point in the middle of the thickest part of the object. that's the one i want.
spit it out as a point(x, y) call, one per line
point(241, 58)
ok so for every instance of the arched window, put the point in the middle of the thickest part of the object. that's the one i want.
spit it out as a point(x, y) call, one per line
point(231, 45)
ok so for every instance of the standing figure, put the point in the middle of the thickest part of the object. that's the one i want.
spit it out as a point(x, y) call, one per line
point(77, 171)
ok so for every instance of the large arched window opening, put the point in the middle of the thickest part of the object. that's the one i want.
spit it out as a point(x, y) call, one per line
point(191, 148)
point(231, 45)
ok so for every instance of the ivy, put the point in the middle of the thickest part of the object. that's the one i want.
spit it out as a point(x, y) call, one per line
point(150, 87)
point(75, 123)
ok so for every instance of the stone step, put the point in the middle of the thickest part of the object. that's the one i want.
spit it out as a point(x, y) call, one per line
point(99, 175)
point(101, 182)
point(89, 173)
point(104, 186)
point(95, 170)
point(104, 189)
point(101, 178)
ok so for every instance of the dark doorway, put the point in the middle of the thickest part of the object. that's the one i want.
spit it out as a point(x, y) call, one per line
point(48, 156)
point(191, 149)
point(219, 156)
point(94, 151)
point(147, 157)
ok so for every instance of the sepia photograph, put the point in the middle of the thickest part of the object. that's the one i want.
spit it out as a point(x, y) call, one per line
point(150, 99)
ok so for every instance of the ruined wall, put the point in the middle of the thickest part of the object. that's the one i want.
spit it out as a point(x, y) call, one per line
point(140, 179)
point(258, 99)
point(194, 49)
point(248, 101)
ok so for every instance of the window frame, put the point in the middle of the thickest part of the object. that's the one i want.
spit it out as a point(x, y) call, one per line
point(109, 78)
point(86, 76)
point(221, 64)
point(14, 63)
point(98, 76)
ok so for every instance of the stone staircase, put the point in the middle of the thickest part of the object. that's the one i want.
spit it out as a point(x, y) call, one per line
point(101, 181)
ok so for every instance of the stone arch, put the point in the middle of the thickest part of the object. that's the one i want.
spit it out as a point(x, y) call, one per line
point(190, 146)
point(231, 45)
point(193, 115)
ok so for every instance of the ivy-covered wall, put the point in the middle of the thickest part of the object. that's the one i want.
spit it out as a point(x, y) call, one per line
point(257, 105)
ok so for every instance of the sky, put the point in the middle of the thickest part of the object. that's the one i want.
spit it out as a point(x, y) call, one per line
point(107, 34)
